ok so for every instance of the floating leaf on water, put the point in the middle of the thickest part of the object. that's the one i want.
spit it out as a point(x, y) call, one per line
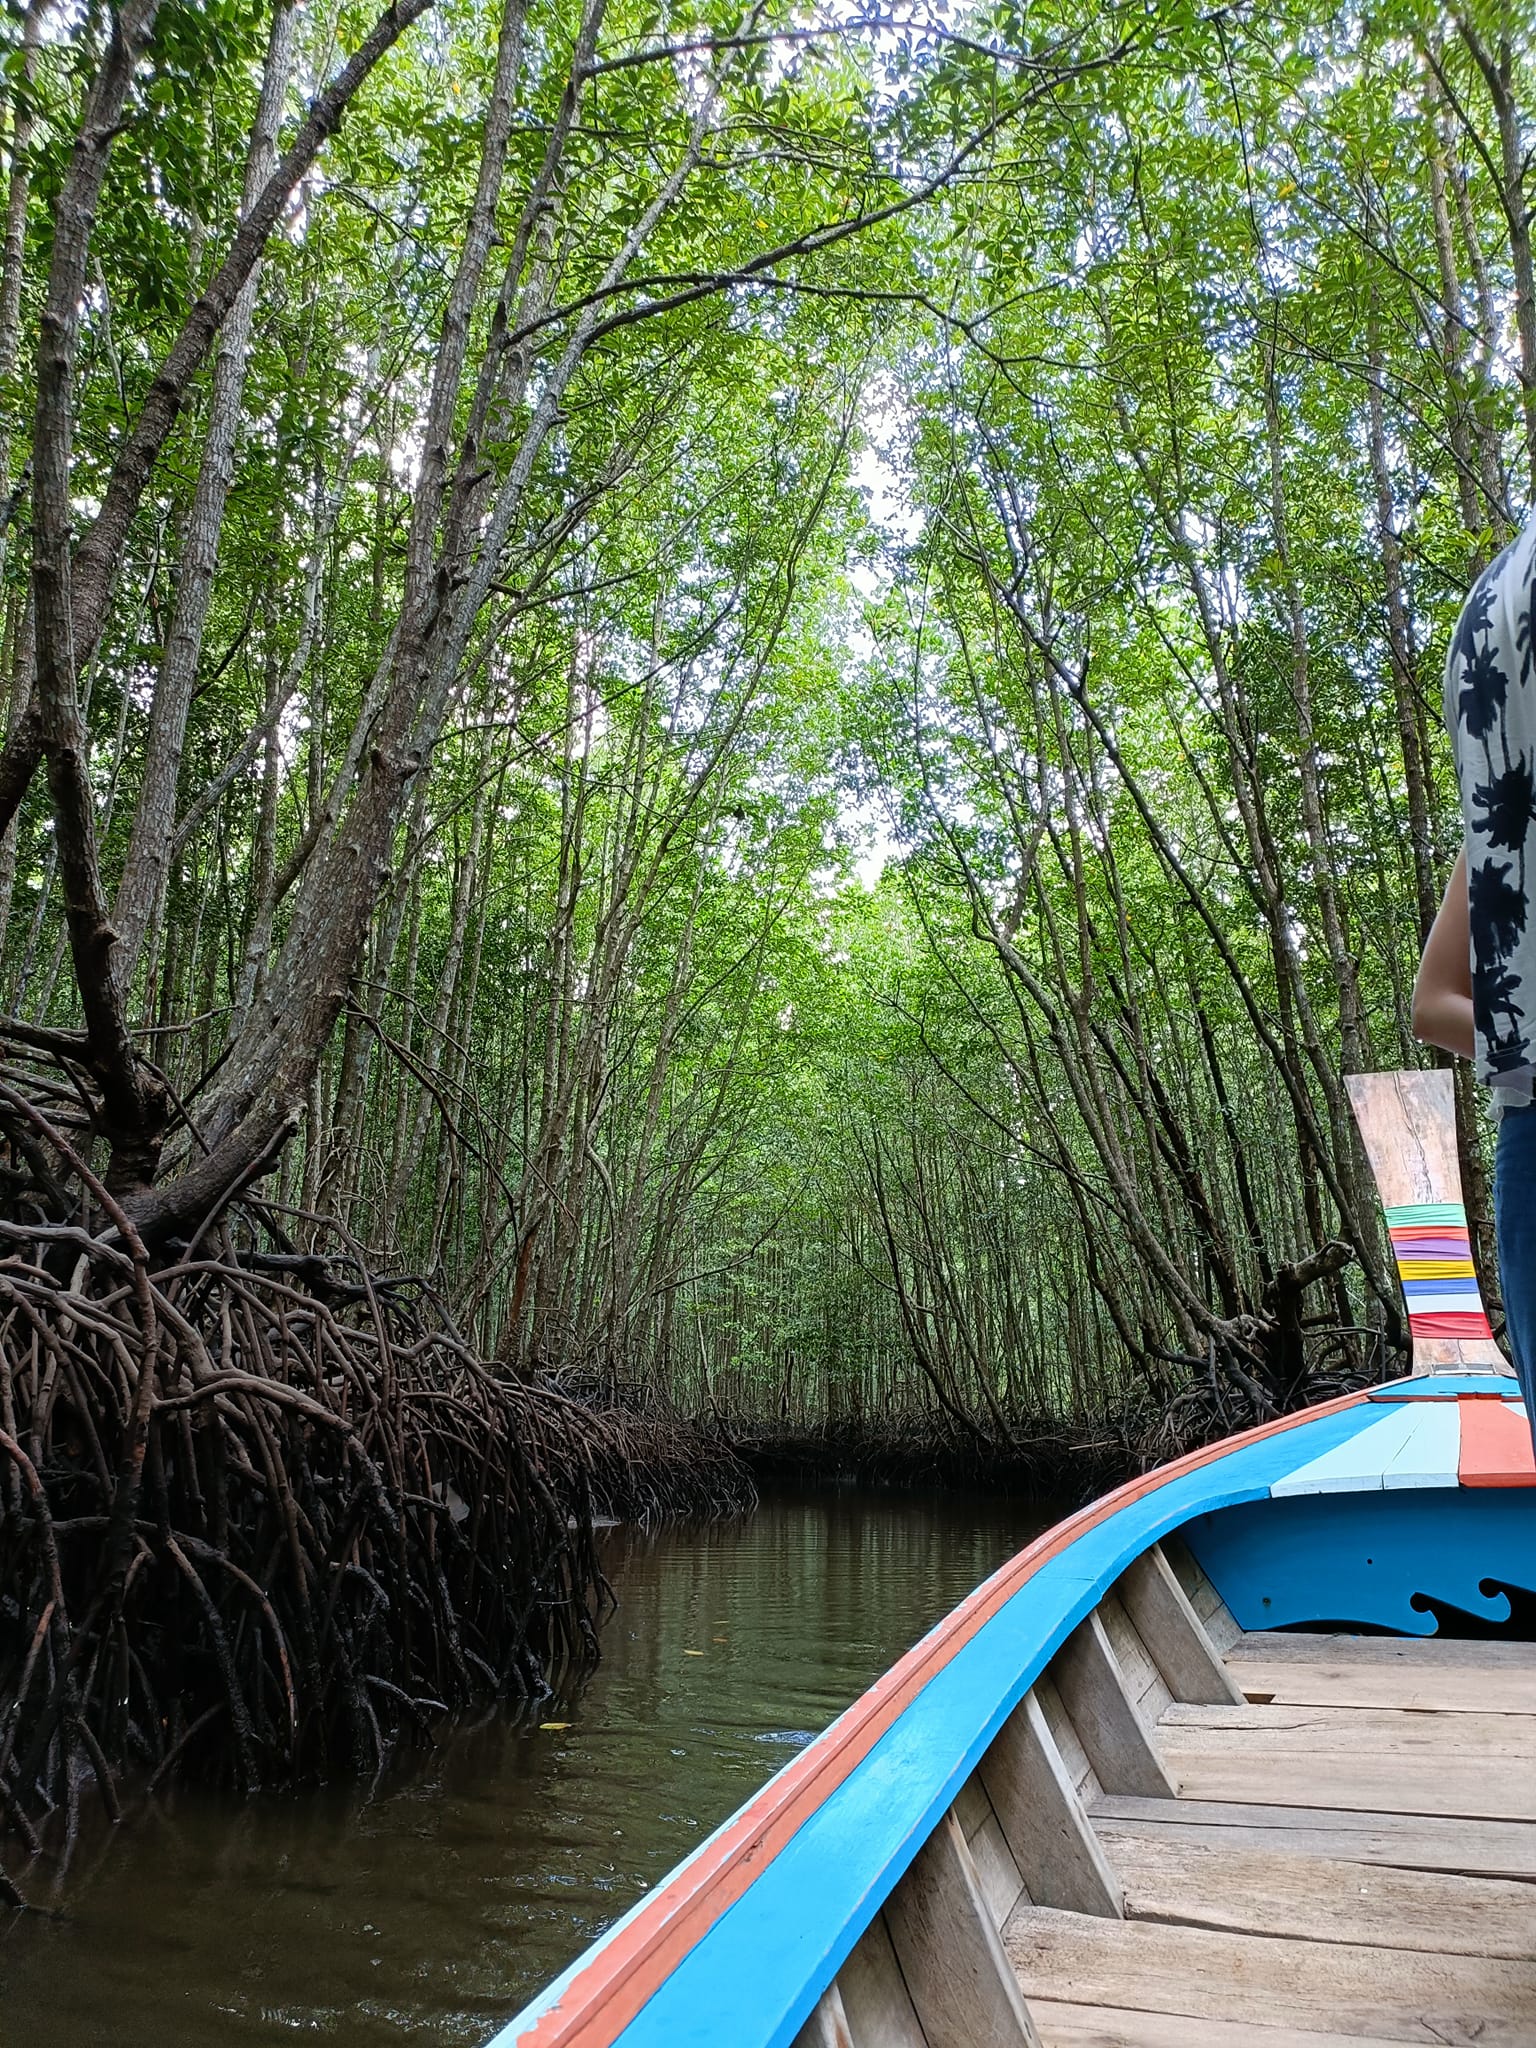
point(553, 1725)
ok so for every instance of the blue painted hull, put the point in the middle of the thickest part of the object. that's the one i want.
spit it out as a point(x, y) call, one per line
point(1363, 1514)
point(1370, 1560)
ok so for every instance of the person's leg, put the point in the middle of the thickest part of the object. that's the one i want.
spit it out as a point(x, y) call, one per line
point(1514, 1208)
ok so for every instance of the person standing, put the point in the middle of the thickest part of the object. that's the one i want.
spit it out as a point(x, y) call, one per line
point(1475, 993)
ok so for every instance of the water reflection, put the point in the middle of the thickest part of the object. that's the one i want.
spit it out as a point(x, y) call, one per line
point(430, 1912)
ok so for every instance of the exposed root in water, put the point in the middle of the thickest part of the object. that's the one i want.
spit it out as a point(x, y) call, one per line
point(263, 1515)
point(668, 1469)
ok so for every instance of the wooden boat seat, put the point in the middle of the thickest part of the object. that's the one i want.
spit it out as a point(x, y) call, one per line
point(1197, 1836)
point(1349, 1858)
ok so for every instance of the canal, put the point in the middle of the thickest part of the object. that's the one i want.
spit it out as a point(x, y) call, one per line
point(430, 1910)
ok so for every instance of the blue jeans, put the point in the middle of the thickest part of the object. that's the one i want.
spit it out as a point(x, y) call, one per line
point(1514, 1210)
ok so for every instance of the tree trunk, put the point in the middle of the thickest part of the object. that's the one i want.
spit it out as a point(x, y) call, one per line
point(1352, 1039)
point(154, 822)
point(1400, 664)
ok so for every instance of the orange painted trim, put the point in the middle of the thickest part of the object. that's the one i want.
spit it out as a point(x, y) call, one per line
point(603, 1998)
point(1495, 1447)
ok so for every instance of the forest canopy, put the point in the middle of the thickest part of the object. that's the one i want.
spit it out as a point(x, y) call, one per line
point(735, 709)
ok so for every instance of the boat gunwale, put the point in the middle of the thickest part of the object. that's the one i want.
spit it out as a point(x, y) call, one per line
point(595, 2000)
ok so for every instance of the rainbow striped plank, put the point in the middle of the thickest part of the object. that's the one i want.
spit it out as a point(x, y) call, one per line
point(1434, 1264)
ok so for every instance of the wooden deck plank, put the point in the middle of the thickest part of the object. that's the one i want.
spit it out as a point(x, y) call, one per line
point(1444, 1688)
point(1382, 1994)
point(1103, 2026)
point(1474, 1788)
point(1282, 1730)
point(1325, 1899)
point(1476, 1848)
point(1275, 1646)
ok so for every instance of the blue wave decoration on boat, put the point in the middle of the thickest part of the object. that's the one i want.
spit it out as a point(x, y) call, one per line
point(1360, 1558)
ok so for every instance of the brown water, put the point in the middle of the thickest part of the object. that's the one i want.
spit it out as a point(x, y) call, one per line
point(431, 1911)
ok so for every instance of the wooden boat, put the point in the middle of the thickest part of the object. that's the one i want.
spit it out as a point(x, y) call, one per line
point(1195, 1770)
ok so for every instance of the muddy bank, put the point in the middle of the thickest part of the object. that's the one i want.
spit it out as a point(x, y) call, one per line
point(1044, 1458)
point(1057, 1467)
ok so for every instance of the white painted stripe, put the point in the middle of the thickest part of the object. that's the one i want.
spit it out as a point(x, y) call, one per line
point(1442, 1302)
point(1358, 1466)
point(1430, 1453)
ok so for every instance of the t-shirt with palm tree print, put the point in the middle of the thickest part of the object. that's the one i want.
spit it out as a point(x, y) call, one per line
point(1490, 707)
